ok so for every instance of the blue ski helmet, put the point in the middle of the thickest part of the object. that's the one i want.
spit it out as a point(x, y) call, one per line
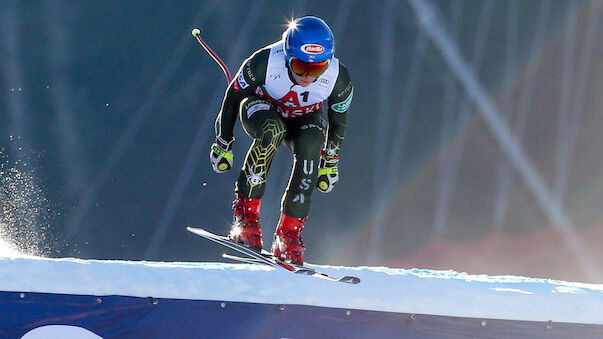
point(309, 39)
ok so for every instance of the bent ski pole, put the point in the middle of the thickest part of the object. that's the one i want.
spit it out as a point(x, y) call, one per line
point(197, 34)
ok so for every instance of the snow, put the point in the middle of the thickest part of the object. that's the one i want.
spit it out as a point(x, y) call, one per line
point(7, 250)
point(416, 291)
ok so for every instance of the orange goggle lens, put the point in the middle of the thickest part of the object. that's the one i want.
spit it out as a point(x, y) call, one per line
point(313, 69)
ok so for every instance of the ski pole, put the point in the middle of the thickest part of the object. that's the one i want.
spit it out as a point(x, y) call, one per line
point(197, 34)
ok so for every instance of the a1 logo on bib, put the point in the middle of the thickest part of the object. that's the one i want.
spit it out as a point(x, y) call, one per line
point(290, 99)
point(312, 48)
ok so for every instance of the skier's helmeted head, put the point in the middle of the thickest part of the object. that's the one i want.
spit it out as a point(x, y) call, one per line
point(309, 39)
point(308, 45)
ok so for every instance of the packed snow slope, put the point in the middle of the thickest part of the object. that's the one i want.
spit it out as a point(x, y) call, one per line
point(381, 289)
point(7, 250)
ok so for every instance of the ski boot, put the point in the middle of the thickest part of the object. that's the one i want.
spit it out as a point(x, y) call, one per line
point(288, 244)
point(246, 227)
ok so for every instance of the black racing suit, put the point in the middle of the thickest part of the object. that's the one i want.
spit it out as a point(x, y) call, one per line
point(304, 135)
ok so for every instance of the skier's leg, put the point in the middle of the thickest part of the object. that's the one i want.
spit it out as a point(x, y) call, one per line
point(261, 122)
point(305, 137)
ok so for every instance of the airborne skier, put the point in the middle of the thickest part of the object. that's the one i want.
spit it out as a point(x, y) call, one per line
point(279, 93)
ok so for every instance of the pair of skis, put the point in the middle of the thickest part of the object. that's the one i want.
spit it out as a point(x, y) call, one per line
point(252, 257)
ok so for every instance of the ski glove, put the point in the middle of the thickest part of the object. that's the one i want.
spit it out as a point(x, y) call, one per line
point(221, 156)
point(328, 173)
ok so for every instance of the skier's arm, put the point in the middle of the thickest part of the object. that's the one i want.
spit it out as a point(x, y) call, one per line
point(339, 102)
point(225, 121)
point(250, 75)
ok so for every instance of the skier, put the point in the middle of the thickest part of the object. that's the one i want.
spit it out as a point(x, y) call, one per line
point(279, 93)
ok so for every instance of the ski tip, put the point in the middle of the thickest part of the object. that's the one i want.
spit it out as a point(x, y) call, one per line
point(196, 230)
point(350, 280)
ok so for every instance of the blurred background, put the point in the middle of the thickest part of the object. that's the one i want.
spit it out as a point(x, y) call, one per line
point(473, 143)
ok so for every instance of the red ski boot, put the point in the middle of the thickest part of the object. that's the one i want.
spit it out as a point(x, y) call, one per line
point(288, 244)
point(246, 228)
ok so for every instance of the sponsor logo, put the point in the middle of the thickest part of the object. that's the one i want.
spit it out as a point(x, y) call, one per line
point(287, 111)
point(312, 48)
point(255, 179)
point(260, 106)
point(303, 127)
point(343, 106)
point(290, 112)
point(346, 90)
point(331, 150)
point(323, 81)
point(249, 73)
point(290, 99)
point(242, 81)
point(255, 102)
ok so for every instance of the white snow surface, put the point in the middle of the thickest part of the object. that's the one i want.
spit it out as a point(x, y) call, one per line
point(7, 250)
point(414, 291)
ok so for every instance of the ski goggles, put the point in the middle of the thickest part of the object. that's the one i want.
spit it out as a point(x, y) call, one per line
point(313, 69)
